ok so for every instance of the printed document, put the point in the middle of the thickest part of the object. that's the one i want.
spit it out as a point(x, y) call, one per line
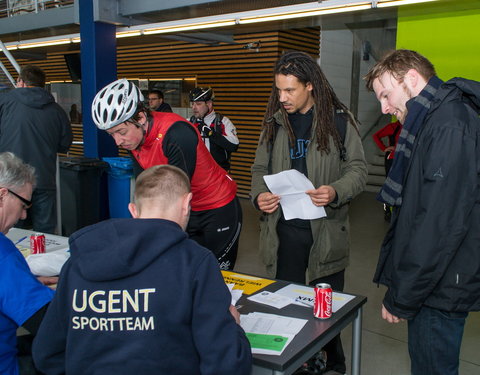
point(291, 186)
point(270, 333)
point(304, 296)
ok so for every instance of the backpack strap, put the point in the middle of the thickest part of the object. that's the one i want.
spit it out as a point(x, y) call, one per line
point(218, 121)
point(341, 121)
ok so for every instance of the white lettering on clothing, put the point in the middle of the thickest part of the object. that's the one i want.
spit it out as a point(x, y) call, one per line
point(99, 310)
point(113, 324)
point(112, 301)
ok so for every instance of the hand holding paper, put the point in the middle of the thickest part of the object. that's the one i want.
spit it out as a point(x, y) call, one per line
point(291, 186)
point(268, 202)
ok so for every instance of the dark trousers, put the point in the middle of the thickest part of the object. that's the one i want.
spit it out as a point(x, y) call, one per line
point(292, 262)
point(434, 340)
point(219, 231)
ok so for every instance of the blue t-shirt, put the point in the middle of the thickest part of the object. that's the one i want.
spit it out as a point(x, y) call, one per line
point(21, 296)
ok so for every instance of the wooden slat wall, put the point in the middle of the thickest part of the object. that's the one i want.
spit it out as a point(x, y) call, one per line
point(240, 77)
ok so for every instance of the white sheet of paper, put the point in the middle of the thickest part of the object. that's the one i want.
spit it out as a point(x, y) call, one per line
point(291, 185)
point(304, 296)
point(271, 324)
point(271, 299)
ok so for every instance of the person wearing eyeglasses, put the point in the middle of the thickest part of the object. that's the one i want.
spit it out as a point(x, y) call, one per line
point(156, 102)
point(35, 128)
point(23, 298)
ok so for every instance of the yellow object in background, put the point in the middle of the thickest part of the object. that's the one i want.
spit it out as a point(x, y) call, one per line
point(249, 284)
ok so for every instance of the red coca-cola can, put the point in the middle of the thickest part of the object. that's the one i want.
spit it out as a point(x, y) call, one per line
point(322, 307)
point(37, 243)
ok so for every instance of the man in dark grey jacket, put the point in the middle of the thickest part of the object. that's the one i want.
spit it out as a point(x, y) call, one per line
point(35, 128)
point(430, 258)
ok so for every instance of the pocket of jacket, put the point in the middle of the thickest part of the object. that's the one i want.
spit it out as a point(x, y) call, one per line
point(265, 245)
point(335, 241)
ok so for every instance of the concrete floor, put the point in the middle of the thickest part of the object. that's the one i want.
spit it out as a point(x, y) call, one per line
point(384, 346)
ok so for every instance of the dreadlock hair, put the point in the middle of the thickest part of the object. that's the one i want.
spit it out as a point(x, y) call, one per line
point(305, 68)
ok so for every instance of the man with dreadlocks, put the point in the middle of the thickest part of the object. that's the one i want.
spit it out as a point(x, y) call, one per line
point(302, 130)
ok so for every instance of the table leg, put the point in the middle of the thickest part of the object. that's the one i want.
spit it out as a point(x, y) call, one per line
point(357, 342)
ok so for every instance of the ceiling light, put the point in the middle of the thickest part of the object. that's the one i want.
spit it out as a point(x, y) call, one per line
point(310, 13)
point(44, 43)
point(193, 26)
point(126, 34)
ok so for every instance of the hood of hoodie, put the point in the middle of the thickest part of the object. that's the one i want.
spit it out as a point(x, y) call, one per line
point(119, 248)
point(469, 90)
point(35, 97)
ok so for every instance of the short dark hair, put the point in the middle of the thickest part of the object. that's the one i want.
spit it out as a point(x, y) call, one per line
point(398, 63)
point(32, 76)
point(157, 92)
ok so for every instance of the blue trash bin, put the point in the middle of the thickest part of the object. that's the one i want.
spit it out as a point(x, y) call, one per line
point(119, 176)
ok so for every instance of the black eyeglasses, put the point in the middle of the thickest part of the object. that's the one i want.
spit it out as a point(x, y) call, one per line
point(27, 203)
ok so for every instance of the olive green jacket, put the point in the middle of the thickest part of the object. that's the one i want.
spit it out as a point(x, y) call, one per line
point(330, 250)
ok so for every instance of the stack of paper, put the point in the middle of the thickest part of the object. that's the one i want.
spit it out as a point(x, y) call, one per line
point(270, 333)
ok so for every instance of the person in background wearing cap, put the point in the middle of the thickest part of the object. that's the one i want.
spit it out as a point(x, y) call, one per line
point(156, 138)
point(218, 132)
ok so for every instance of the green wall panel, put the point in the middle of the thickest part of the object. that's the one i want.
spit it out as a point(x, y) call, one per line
point(447, 33)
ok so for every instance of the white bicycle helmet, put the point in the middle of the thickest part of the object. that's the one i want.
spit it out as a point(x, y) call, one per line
point(115, 103)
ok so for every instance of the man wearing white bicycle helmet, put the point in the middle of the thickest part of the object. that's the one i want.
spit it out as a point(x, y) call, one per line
point(156, 138)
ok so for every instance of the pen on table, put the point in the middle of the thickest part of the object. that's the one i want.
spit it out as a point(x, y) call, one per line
point(20, 240)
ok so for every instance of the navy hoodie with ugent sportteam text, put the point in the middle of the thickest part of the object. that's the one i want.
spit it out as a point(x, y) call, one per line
point(138, 297)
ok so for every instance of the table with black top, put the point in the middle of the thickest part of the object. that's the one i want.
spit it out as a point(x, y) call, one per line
point(313, 336)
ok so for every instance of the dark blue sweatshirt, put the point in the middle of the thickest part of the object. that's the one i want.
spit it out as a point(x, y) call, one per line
point(138, 297)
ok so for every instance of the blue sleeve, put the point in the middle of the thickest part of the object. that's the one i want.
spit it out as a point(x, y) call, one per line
point(21, 294)
point(221, 343)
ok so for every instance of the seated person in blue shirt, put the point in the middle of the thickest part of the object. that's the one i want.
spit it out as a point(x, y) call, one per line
point(23, 299)
point(137, 296)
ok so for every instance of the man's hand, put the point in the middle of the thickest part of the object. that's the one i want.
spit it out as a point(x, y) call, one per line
point(322, 196)
point(390, 317)
point(235, 313)
point(268, 202)
point(389, 149)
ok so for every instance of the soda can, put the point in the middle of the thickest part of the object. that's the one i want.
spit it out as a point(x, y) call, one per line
point(322, 307)
point(37, 243)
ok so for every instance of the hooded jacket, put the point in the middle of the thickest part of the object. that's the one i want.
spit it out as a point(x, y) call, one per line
point(431, 253)
point(331, 240)
point(35, 129)
point(138, 297)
